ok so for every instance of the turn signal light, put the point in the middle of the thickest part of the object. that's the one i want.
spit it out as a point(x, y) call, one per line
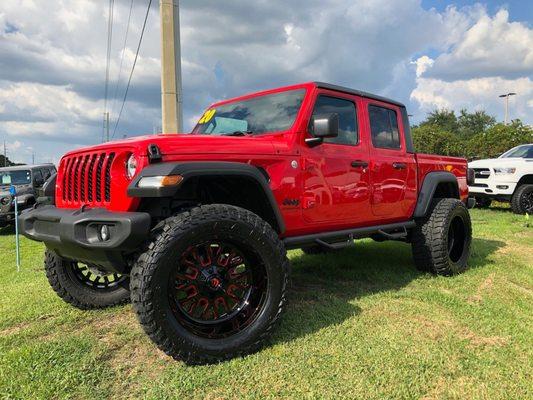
point(160, 181)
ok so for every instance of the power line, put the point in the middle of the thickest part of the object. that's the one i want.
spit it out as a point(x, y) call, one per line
point(122, 58)
point(108, 56)
point(132, 69)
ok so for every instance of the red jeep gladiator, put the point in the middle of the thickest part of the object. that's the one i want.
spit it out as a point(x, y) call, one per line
point(193, 228)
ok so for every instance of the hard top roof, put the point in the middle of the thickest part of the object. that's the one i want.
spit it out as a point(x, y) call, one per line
point(337, 88)
point(23, 167)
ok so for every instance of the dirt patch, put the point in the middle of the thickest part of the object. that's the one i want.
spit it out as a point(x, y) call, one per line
point(482, 341)
point(435, 330)
point(524, 289)
point(439, 329)
point(22, 326)
point(13, 330)
point(134, 360)
point(108, 322)
point(484, 287)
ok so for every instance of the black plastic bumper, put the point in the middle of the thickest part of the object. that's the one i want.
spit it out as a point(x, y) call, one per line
point(471, 202)
point(75, 234)
point(7, 218)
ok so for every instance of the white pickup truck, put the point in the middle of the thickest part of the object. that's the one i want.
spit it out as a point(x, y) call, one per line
point(507, 178)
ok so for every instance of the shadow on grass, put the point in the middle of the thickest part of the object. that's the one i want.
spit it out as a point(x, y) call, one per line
point(7, 230)
point(325, 288)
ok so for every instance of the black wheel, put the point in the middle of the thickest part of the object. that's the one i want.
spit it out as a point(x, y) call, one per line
point(83, 286)
point(483, 202)
point(211, 284)
point(441, 241)
point(522, 201)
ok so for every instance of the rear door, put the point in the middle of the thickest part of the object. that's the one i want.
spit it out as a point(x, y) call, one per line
point(336, 178)
point(392, 170)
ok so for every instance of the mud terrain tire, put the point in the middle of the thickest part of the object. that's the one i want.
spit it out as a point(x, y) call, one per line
point(187, 254)
point(80, 287)
point(441, 241)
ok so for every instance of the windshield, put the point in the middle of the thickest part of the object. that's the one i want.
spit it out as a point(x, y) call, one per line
point(269, 113)
point(519, 152)
point(22, 177)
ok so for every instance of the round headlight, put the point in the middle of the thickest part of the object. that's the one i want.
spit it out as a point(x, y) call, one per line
point(131, 167)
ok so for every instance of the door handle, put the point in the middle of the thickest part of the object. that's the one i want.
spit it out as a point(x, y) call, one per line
point(399, 165)
point(359, 164)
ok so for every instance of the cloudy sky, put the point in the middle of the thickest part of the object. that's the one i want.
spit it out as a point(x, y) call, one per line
point(427, 53)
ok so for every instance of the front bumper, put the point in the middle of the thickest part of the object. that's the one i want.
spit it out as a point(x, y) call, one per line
point(7, 218)
point(492, 188)
point(74, 234)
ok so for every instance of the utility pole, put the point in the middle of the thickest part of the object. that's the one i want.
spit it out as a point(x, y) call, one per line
point(33, 158)
point(507, 105)
point(106, 126)
point(5, 154)
point(171, 86)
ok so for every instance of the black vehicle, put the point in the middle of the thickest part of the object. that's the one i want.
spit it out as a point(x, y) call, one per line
point(28, 180)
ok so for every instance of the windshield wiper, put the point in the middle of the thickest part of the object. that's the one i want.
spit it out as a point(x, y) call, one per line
point(239, 133)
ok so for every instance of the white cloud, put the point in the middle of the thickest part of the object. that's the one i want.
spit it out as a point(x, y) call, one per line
point(492, 56)
point(492, 46)
point(475, 94)
point(422, 65)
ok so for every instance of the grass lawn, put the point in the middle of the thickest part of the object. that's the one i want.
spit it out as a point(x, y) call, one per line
point(362, 323)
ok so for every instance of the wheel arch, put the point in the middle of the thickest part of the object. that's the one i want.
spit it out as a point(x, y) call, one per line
point(232, 183)
point(525, 180)
point(436, 185)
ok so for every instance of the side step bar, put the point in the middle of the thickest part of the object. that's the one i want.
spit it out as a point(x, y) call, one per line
point(342, 238)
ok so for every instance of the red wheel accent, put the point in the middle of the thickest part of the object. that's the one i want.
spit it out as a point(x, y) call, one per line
point(218, 289)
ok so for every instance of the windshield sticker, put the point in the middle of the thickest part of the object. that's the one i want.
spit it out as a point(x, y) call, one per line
point(208, 116)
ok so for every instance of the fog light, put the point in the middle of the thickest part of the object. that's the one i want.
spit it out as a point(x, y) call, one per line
point(502, 187)
point(105, 235)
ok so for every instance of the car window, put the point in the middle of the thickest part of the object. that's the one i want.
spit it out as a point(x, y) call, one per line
point(519, 152)
point(46, 173)
point(384, 127)
point(20, 177)
point(36, 175)
point(262, 114)
point(348, 129)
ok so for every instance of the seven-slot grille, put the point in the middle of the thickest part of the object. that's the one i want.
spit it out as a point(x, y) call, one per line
point(87, 178)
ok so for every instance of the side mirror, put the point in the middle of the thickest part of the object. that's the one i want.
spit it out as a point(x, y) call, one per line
point(323, 126)
point(38, 182)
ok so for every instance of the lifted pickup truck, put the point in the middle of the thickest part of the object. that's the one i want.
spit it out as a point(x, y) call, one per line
point(508, 178)
point(194, 227)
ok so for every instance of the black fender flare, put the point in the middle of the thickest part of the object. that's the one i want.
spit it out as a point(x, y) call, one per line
point(25, 199)
point(427, 191)
point(195, 169)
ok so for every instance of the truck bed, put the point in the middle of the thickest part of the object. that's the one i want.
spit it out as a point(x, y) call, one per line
point(456, 165)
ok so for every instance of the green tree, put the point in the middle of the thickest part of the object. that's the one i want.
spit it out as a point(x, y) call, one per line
point(470, 124)
point(498, 139)
point(444, 119)
point(432, 139)
point(5, 162)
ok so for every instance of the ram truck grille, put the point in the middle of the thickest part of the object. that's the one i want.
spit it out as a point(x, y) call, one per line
point(86, 179)
point(482, 173)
